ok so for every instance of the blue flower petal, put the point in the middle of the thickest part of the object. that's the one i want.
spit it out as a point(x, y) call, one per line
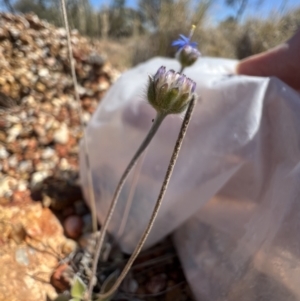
point(178, 43)
point(183, 41)
point(184, 38)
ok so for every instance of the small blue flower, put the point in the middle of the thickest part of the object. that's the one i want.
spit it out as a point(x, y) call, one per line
point(184, 41)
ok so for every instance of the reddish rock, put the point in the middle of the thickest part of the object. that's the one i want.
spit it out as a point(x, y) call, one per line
point(72, 141)
point(32, 144)
point(73, 226)
point(21, 196)
point(61, 150)
point(58, 280)
point(23, 262)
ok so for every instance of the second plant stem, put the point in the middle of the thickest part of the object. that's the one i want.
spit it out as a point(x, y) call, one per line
point(74, 78)
point(158, 203)
point(155, 126)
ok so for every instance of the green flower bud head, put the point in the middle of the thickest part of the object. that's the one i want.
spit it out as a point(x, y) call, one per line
point(170, 92)
point(188, 55)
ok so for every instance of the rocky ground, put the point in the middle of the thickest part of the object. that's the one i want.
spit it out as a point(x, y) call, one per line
point(44, 222)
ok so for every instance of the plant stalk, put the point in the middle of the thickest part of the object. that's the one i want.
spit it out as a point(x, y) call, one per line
point(155, 126)
point(74, 79)
point(166, 181)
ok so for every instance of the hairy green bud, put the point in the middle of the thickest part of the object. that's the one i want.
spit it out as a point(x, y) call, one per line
point(170, 92)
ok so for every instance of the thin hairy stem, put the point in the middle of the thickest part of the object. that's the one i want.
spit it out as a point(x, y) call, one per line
point(166, 181)
point(74, 78)
point(156, 124)
point(181, 69)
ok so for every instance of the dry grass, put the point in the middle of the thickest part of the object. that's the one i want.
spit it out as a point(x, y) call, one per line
point(228, 39)
point(118, 52)
point(231, 40)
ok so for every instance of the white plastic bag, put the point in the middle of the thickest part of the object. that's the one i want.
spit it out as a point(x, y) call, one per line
point(243, 245)
point(122, 121)
point(242, 145)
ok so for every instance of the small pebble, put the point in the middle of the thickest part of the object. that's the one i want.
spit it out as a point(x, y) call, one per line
point(69, 246)
point(13, 161)
point(46, 201)
point(61, 135)
point(22, 185)
point(21, 256)
point(63, 164)
point(48, 153)
point(58, 280)
point(3, 153)
point(38, 177)
point(73, 226)
point(43, 72)
point(25, 166)
point(14, 132)
point(7, 184)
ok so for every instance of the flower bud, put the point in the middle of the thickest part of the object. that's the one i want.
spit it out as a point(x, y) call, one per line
point(188, 55)
point(170, 92)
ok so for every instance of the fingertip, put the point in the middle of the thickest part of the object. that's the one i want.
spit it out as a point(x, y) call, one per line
point(256, 65)
point(244, 67)
point(276, 62)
